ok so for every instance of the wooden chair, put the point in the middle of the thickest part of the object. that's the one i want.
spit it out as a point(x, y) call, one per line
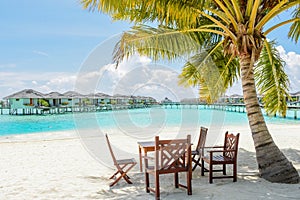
point(198, 153)
point(123, 166)
point(228, 155)
point(170, 156)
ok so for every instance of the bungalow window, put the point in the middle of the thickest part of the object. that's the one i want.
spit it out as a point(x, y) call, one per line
point(17, 99)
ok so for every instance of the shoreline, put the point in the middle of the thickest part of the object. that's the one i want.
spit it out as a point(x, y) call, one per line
point(282, 134)
point(61, 165)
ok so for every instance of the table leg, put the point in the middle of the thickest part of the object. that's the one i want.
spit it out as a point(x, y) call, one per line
point(140, 157)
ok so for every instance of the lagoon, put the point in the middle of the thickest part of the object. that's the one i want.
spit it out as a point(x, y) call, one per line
point(138, 119)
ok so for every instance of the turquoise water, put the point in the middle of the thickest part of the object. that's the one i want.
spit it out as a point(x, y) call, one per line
point(136, 119)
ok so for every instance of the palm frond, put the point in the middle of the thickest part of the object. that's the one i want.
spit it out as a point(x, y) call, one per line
point(249, 8)
point(275, 11)
point(237, 10)
point(227, 11)
point(253, 16)
point(294, 32)
point(271, 80)
point(166, 12)
point(212, 71)
point(160, 43)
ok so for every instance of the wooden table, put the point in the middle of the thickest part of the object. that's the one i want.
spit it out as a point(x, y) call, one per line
point(144, 147)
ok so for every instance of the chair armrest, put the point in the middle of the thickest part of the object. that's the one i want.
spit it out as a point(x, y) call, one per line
point(213, 147)
point(148, 158)
point(221, 151)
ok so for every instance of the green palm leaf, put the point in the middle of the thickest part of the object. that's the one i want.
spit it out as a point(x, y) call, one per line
point(294, 32)
point(166, 12)
point(161, 43)
point(212, 71)
point(272, 81)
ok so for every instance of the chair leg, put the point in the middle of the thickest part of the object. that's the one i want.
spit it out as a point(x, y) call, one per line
point(210, 173)
point(157, 191)
point(120, 169)
point(224, 169)
point(124, 176)
point(147, 182)
point(234, 172)
point(115, 174)
point(196, 162)
point(176, 180)
point(189, 182)
point(117, 180)
point(202, 167)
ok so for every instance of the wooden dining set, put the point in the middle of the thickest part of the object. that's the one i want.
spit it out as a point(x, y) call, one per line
point(176, 156)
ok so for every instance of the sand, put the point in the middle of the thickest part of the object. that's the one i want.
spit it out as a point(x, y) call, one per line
point(68, 165)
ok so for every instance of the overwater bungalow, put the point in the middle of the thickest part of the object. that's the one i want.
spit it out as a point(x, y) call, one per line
point(73, 98)
point(235, 99)
point(29, 101)
point(55, 99)
point(24, 99)
point(295, 98)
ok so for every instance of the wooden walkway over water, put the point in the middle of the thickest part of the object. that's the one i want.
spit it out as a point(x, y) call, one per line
point(66, 109)
point(294, 111)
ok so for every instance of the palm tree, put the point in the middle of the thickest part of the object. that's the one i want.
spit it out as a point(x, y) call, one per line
point(234, 35)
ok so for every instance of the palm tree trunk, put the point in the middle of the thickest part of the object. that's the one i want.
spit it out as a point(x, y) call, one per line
point(272, 163)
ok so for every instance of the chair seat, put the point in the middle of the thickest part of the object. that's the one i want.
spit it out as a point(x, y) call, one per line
point(126, 161)
point(195, 152)
point(218, 159)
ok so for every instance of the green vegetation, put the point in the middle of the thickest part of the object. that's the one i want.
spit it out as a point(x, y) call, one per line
point(43, 102)
point(86, 102)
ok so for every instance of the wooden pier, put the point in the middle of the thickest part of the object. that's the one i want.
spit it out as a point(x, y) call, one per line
point(41, 110)
point(292, 112)
point(292, 109)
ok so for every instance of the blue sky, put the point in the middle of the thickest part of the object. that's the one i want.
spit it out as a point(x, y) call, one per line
point(44, 44)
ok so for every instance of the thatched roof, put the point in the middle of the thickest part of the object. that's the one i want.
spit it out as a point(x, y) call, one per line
point(27, 93)
point(295, 94)
point(121, 96)
point(97, 96)
point(30, 93)
point(236, 96)
point(54, 95)
point(73, 94)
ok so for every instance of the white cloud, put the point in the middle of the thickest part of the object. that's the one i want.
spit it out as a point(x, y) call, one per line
point(292, 68)
point(136, 76)
point(106, 78)
point(44, 82)
point(41, 53)
point(9, 65)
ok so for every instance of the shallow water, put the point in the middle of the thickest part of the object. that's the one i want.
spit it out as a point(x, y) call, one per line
point(138, 119)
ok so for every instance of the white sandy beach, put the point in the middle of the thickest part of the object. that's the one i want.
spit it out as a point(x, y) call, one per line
point(59, 165)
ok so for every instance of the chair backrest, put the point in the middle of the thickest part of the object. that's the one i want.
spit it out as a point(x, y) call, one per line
point(201, 140)
point(172, 155)
point(110, 150)
point(231, 142)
